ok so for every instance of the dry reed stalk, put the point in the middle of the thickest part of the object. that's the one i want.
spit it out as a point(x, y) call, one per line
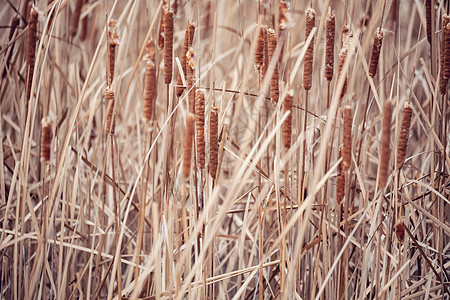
point(400, 231)
point(404, 135)
point(213, 141)
point(110, 99)
point(287, 125)
point(190, 65)
point(266, 52)
point(46, 140)
point(188, 141)
point(329, 45)
point(347, 139)
point(188, 39)
point(84, 22)
point(31, 49)
point(340, 179)
point(168, 45)
point(76, 18)
point(259, 51)
point(428, 19)
point(309, 55)
point(274, 88)
point(385, 143)
point(377, 43)
point(14, 23)
point(113, 42)
point(150, 82)
point(200, 127)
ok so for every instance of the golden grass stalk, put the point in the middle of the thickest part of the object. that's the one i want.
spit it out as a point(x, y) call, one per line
point(190, 65)
point(200, 127)
point(213, 141)
point(168, 45)
point(404, 135)
point(188, 39)
point(309, 55)
point(376, 49)
point(188, 141)
point(286, 128)
point(31, 49)
point(150, 82)
point(274, 88)
point(385, 144)
point(347, 148)
point(329, 45)
point(46, 140)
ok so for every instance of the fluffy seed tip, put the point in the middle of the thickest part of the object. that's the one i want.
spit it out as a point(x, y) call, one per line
point(284, 15)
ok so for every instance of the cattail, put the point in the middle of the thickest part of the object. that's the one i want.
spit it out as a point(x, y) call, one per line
point(347, 139)
point(329, 52)
point(113, 42)
point(150, 82)
point(161, 26)
point(76, 18)
point(190, 65)
point(14, 23)
point(400, 231)
point(259, 51)
point(428, 18)
point(46, 140)
point(443, 77)
point(447, 50)
point(309, 55)
point(385, 143)
point(188, 39)
point(377, 43)
point(31, 48)
point(168, 46)
point(284, 19)
point(188, 141)
point(274, 89)
point(213, 141)
point(200, 127)
point(266, 52)
point(342, 58)
point(110, 99)
point(404, 135)
point(340, 179)
point(286, 127)
point(346, 35)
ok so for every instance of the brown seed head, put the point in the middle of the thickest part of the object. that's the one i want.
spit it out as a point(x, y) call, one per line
point(190, 65)
point(188, 141)
point(286, 128)
point(259, 51)
point(404, 135)
point(377, 43)
point(266, 52)
point(340, 179)
point(200, 127)
point(347, 148)
point(113, 42)
point(161, 26)
point(284, 15)
point(213, 141)
point(188, 39)
point(110, 103)
point(31, 49)
point(274, 88)
point(309, 55)
point(447, 52)
point(329, 52)
point(445, 56)
point(46, 140)
point(149, 83)
point(385, 143)
point(168, 46)
point(400, 231)
point(342, 58)
point(428, 19)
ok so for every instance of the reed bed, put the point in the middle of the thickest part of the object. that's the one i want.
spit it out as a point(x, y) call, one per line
point(213, 149)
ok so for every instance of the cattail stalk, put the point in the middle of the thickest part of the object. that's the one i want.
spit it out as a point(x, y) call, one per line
point(213, 141)
point(329, 45)
point(190, 65)
point(377, 43)
point(31, 49)
point(200, 127)
point(46, 140)
point(113, 42)
point(385, 143)
point(404, 135)
point(309, 55)
point(188, 39)
point(76, 18)
point(347, 139)
point(168, 45)
point(150, 82)
point(286, 128)
point(188, 141)
point(340, 179)
point(274, 88)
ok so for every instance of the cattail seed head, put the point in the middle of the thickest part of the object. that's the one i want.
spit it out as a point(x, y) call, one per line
point(347, 139)
point(31, 49)
point(347, 36)
point(150, 82)
point(428, 19)
point(200, 127)
point(447, 50)
point(188, 39)
point(46, 140)
point(329, 46)
point(445, 56)
point(110, 103)
point(161, 26)
point(342, 58)
point(274, 88)
point(400, 231)
point(385, 143)
point(404, 135)
point(259, 51)
point(113, 42)
point(340, 179)
point(266, 52)
point(213, 141)
point(168, 45)
point(76, 18)
point(309, 55)
point(190, 65)
point(286, 128)
point(188, 141)
point(377, 43)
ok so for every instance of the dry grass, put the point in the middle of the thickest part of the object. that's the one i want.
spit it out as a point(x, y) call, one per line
point(135, 171)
